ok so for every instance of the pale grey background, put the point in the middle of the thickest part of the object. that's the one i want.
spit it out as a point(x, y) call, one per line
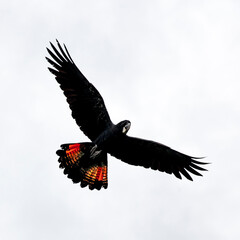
point(171, 67)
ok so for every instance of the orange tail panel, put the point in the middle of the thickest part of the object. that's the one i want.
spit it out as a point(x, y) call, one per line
point(77, 164)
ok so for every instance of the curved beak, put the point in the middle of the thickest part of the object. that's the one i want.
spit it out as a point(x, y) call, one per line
point(126, 127)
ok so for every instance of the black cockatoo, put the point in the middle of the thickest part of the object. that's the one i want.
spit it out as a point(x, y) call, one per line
point(87, 162)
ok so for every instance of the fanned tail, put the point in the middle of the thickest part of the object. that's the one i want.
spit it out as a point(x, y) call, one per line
point(81, 165)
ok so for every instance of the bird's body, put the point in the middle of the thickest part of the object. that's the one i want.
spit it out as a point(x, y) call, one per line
point(110, 135)
point(87, 162)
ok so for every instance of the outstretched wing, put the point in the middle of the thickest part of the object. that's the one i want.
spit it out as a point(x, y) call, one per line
point(156, 156)
point(86, 103)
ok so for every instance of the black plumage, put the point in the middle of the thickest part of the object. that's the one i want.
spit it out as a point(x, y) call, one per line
point(87, 162)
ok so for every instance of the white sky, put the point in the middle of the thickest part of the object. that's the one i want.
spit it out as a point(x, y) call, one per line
point(171, 68)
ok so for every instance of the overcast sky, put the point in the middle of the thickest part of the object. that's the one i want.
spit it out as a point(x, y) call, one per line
point(171, 67)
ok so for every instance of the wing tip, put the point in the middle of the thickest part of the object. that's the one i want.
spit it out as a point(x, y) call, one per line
point(191, 168)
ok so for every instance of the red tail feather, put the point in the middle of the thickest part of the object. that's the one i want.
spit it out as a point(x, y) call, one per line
point(80, 167)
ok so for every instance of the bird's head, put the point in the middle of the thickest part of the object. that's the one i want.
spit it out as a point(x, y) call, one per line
point(124, 126)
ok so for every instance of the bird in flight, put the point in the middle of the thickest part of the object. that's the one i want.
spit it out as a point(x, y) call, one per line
point(86, 162)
